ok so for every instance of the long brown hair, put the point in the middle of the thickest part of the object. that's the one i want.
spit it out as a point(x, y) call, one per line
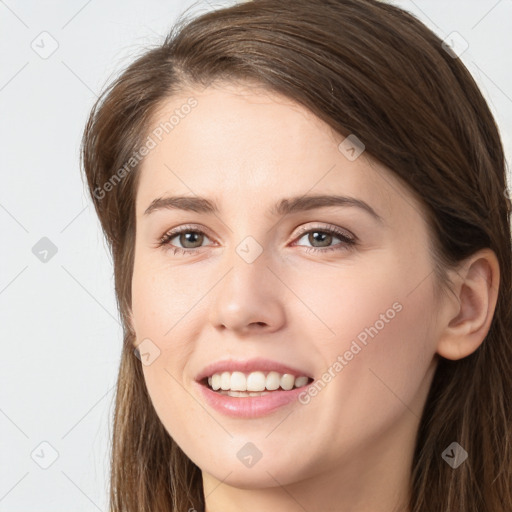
point(365, 68)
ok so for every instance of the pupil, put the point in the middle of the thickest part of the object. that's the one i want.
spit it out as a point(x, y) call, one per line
point(325, 236)
point(190, 235)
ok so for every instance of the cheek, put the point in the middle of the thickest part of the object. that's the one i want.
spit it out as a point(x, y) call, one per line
point(377, 343)
point(181, 416)
point(160, 315)
point(162, 297)
point(344, 303)
point(163, 301)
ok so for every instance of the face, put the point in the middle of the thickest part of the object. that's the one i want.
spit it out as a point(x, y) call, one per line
point(341, 293)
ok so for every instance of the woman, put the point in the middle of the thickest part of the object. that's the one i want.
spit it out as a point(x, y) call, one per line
point(260, 370)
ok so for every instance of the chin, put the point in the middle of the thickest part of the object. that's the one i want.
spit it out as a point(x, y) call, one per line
point(261, 475)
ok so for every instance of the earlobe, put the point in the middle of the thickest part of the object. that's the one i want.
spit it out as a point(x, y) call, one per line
point(477, 292)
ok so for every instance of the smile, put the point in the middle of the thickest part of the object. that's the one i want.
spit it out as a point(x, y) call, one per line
point(283, 390)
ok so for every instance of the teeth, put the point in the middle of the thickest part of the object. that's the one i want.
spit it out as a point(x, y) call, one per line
point(225, 380)
point(243, 393)
point(273, 381)
point(254, 383)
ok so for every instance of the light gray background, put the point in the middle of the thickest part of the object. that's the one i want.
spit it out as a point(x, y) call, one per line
point(59, 328)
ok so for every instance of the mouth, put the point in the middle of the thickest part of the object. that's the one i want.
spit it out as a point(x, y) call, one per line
point(258, 383)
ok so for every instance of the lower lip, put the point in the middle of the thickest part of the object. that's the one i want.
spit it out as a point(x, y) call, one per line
point(249, 406)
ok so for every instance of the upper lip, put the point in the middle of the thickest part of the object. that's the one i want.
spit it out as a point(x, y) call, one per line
point(247, 366)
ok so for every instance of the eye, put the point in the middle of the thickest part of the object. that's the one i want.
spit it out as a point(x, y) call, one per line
point(324, 236)
point(196, 238)
point(191, 239)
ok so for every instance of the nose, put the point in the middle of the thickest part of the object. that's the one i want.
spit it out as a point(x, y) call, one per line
point(249, 298)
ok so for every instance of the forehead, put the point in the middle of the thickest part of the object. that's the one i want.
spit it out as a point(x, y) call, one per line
point(245, 145)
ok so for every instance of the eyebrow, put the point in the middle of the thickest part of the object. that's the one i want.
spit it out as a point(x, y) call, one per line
point(283, 207)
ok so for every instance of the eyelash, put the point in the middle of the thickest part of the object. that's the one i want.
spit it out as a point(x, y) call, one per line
point(346, 242)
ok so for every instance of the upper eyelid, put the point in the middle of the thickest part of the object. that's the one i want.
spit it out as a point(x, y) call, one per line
point(327, 227)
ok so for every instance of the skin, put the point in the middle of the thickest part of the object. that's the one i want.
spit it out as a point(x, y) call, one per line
point(350, 448)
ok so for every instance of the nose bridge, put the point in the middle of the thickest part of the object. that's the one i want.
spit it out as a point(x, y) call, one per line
point(248, 251)
point(248, 293)
point(249, 274)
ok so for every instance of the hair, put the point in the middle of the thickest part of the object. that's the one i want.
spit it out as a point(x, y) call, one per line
point(365, 68)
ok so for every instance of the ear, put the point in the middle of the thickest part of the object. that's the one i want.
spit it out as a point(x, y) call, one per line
point(468, 322)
